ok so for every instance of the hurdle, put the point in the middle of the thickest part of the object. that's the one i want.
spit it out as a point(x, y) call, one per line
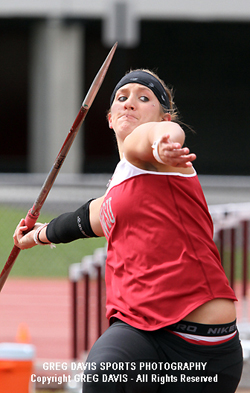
point(88, 301)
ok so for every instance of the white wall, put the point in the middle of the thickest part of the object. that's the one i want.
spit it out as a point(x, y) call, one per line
point(144, 9)
point(56, 93)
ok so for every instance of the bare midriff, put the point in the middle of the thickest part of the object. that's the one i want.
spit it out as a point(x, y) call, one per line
point(216, 311)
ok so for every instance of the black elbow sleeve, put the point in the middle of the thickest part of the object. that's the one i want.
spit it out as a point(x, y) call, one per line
point(70, 226)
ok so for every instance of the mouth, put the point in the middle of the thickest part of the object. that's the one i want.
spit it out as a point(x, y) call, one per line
point(127, 116)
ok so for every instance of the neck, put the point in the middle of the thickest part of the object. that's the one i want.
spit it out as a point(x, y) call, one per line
point(120, 147)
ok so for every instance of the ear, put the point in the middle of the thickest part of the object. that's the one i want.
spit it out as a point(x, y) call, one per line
point(110, 120)
point(166, 117)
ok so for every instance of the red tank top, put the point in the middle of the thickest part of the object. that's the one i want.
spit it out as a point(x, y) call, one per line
point(162, 262)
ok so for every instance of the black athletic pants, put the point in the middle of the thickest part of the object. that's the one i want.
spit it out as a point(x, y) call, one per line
point(128, 360)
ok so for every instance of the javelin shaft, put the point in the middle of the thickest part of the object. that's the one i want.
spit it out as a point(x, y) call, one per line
point(34, 212)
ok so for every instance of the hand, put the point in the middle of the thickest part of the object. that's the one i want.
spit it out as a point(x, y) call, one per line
point(24, 240)
point(173, 154)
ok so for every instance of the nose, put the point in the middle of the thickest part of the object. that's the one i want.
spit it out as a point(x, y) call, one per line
point(129, 103)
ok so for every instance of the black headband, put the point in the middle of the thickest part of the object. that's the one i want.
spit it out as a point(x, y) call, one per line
point(145, 79)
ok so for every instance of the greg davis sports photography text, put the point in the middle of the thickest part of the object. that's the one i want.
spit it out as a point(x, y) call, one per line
point(140, 372)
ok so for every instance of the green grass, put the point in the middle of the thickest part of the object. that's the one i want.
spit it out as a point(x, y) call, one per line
point(44, 262)
point(41, 261)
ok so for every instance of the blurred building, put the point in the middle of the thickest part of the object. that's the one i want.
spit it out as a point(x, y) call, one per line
point(50, 51)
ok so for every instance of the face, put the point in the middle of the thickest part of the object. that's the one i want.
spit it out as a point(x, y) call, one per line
point(133, 105)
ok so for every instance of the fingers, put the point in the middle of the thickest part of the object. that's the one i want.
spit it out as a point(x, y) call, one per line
point(185, 161)
point(21, 227)
point(174, 155)
point(167, 144)
point(180, 160)
point(19, 233)
point(24, 238)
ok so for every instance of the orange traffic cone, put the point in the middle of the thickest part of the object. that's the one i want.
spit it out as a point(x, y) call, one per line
point(23, 334)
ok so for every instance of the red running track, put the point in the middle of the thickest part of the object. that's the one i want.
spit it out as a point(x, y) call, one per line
point(43, 306)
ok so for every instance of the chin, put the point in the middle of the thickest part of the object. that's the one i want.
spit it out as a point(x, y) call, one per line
point(124, 132)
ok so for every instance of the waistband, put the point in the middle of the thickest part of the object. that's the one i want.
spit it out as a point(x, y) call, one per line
point(200, 329)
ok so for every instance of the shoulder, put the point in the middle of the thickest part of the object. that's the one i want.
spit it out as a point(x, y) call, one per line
point(158, 129)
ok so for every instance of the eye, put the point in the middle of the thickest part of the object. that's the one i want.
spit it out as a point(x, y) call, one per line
point(144, 99)
point(122, 98)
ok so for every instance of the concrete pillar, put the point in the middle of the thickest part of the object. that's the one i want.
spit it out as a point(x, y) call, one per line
point(56, 94)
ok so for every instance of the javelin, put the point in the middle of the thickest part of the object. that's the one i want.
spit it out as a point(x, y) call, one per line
point(34, 212)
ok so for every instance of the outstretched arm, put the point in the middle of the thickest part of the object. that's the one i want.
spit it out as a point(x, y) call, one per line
point(170, 137)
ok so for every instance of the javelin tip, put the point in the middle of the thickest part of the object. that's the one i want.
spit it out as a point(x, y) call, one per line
point(97, 82)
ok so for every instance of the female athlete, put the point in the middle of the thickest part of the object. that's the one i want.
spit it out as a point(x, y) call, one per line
point(171, 309)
